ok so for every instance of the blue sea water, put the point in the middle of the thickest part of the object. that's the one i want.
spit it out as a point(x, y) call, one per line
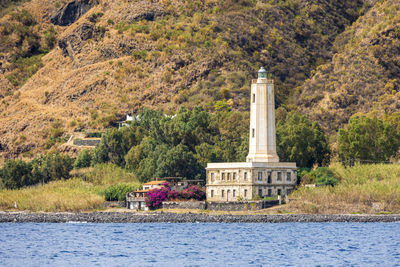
point(200, 244)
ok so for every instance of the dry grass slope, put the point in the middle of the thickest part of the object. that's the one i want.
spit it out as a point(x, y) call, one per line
point(371, 188)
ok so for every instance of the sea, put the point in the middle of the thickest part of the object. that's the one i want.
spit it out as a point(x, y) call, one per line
point(199, 244)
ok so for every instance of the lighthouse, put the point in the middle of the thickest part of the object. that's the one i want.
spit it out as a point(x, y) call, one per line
point(262, 175)
point(262, 143)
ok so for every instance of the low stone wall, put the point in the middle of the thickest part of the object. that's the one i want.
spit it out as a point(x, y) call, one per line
point(201, 205)
point(86, 142)
point(242, 205)
point(114, 204)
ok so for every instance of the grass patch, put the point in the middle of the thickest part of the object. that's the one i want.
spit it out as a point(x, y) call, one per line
point(70, 195)
point(84, 192)
point(373, 188)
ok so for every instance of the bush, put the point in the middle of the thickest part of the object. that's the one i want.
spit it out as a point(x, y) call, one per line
point(156, 197)
point(320, 176)
point(83, 160)
point(118, 192)
point(193, 192)
point(51, 167)
point(16, 174)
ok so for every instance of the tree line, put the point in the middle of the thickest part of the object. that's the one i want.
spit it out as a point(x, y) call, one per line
point(158, 145)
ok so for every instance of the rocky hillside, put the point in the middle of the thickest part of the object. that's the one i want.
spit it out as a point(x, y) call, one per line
point(83, 64)
point(363, 75)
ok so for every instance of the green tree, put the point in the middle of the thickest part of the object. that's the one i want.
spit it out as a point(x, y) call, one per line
point(179, 161)
point(51, 167)
point(16, 174)
point(83, 160)
point(367, 139)
point(301, 141)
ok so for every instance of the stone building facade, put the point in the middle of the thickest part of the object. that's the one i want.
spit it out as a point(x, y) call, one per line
point(262, 174)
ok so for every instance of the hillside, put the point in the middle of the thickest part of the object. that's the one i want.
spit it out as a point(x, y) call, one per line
point(84, 64)
point(363, 75)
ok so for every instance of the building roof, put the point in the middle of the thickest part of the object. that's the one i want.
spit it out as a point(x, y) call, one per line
point(142, 191)
point(155, 182)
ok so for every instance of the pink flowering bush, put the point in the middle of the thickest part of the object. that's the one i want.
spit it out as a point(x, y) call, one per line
point(157, 196)
point(193, 192)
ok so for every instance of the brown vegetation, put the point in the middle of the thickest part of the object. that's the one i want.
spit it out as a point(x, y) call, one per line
point(121, 56)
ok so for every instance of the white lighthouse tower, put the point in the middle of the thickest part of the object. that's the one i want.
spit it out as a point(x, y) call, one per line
point(262, 143)
point(262, 175)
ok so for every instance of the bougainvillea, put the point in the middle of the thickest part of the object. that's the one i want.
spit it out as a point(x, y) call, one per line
point(193, 192)
point(157, 196)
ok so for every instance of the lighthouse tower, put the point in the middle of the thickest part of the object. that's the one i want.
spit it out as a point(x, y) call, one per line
point(262, 174)
point(262, 143)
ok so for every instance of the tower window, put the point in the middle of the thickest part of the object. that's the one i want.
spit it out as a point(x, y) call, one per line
point(279, 176)
point(245, 176)
point(269, 177)
point(253, 132)
point(228, 176)
point(260, 176)
point(254, 98)
point(222, 193)
point(288, 176)
point(269, 192)
point(212, 193)
point(234, 193)
point(245, 193)
point(234, 176)
point(212, 176)
point(222, 176)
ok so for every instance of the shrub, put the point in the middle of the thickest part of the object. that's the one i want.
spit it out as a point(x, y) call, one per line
point(321, 176)
point(51, 167)
point(156, 197)
point(193, 192)
point(16, 174)
point(83, 160)
point(118, 192)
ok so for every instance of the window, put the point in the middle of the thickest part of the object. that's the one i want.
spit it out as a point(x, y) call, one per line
point(228, 176)
point(260, 192)
point(234, 193)
point(212, 193)
point(222, 176)
point(234, 176)
point(212, 176)
point(269, 192)
point(245, 193)
point(245, 176)
point(279, 176)
point(222, 193)
point(254, 98)
point(269, 177)
point(288, 176)
point(260, 176)
point(279, 192)
point(253, 132)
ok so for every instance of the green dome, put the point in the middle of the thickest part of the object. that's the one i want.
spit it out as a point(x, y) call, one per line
point(262, 73)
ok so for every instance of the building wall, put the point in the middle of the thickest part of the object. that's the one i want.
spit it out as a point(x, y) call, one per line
point(234, 184)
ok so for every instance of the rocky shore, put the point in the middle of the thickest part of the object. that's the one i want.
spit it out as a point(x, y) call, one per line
point(128, 217)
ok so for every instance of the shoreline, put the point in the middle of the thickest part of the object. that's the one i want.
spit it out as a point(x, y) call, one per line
point(167, 217)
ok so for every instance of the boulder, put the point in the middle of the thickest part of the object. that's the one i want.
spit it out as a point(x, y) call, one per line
point(71, 12)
